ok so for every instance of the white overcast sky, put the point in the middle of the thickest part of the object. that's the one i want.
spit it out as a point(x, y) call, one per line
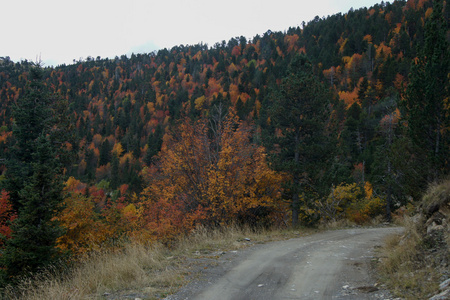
point(62, 30)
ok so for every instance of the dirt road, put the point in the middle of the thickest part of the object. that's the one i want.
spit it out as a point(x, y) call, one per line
point(329, 265)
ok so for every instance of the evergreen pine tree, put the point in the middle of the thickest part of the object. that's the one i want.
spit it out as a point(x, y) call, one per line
point(34, 183)
point(428, 114)
point(115, 172)
point(105, 153)
point(300, 112)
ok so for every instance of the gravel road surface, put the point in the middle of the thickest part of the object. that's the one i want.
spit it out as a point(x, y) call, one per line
point(329, 265)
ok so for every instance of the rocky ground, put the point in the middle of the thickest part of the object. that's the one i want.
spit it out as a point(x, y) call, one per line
point(433, 223)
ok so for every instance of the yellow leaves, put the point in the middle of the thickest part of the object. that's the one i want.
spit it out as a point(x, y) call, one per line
point(280, 53)
point(354, 62)
point(232, 68)
point(342, 43)
point(117, 149)
point(257, 106)
point(368, 189)
point(126, 157)
point(199, 102)
point(83, 231)
point(352, 202)
point(346, 192)
point(71, 183)
point(160, 99)
point(397, 28)
point(131, 213)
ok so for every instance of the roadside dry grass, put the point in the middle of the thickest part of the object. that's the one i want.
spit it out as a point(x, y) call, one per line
point(413, 264)
point(404, 268)
point(140, 271)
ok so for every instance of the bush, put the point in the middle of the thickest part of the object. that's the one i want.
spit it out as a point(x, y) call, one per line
point(351, 202)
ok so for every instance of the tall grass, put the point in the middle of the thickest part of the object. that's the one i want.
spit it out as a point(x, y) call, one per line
point(150, 271)
point(411, 264)
point(404, 269)
point(135, 267)
point(438, 194)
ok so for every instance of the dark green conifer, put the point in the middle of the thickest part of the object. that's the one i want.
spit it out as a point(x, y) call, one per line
point(300, 111)
point(33, 179)
point(427, 99)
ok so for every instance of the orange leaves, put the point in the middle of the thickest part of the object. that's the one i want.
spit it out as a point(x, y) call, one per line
point(382, 51)
point(428, 12)
point(127, 157)
point(236, 51)
point(399, 83)
point(213, 88)
point(349, 97)
point(215, 178)
point(390, 121)
point(291, 41)
point(354, 62)
point(103, 172)
point(164, 219)
point(368, 38)
point(4, 135)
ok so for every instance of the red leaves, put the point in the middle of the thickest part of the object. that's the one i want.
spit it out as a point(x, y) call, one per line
point(7, 215)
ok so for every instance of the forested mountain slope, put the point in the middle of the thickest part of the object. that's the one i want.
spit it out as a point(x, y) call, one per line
point(131, 115)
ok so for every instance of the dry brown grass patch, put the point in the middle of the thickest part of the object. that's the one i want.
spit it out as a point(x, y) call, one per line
point(136, 267)
point(140, 271)
point(405, 265)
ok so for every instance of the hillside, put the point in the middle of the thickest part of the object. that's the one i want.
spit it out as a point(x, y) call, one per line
point(344, 118)
point(363, 56)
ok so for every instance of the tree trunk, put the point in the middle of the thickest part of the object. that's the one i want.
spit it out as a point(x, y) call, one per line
point(295, 197)
point(295, 208)
point(388, 204)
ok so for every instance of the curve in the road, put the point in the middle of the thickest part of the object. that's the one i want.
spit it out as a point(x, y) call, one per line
point(329, 265)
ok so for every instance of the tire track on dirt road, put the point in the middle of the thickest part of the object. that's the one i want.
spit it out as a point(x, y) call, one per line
point(329, 265)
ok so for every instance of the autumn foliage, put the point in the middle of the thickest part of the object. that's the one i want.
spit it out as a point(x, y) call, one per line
point(169, 140)
point(209, 173)
point(352, 202)
point(7, 215)
point(92, 219)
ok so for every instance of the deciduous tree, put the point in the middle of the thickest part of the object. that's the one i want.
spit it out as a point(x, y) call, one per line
point(212, 173)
